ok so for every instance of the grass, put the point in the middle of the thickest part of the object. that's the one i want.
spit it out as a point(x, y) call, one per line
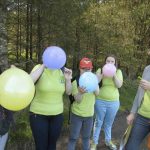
point(127, 94)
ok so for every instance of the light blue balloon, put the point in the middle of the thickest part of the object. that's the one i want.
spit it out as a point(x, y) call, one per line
point(89, 81)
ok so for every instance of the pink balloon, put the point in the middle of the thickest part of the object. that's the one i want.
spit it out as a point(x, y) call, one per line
point(109, 70)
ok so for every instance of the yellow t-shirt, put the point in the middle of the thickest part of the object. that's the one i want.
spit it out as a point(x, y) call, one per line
point(109, 91)
point(50, 88)
point(85, 108)
point(144, 110)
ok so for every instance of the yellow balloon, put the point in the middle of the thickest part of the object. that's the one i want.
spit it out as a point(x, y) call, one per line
point(16, 89)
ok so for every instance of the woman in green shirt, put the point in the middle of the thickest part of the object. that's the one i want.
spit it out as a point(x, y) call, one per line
point(107, 104)
point(46, 110)
point(82, 110)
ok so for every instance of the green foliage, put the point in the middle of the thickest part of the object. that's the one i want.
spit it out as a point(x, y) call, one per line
point(82, 28)
point(127, 94)
point(20, 130)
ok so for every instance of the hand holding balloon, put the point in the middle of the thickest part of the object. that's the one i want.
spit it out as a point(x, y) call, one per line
point(17, 89)
point(67, 73)
point(109, 70)
point(12, 66)
point(89, 81)
point(82, 90)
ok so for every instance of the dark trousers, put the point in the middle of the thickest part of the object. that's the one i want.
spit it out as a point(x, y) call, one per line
point(140, 130)
point(46, 130)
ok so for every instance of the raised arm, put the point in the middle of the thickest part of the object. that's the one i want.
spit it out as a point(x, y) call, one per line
point(78, 97)
point(117, 81)
point(99, 75)
point(96, 92)
point(68, 77)
point(118, 78)
point(35, 75)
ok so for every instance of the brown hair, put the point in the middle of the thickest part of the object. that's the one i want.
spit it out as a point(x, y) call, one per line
point(112, 55)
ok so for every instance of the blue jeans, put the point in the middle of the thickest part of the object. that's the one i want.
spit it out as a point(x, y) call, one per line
point(3, 141)
point(46, 130)
point(140, 130)
point(85, 125)
point(105, 112)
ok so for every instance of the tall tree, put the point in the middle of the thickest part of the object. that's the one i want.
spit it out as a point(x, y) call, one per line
point(3, 34)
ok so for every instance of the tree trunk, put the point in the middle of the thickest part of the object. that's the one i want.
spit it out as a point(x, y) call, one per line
point(27, 36)
point(76, 55)
point(39, 34)
point(31, 53)
point(18, 32)
point(3, 39)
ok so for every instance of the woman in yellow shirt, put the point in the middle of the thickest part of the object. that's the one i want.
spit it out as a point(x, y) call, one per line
point(82, 110)
point(46, 110)
point(107, 104)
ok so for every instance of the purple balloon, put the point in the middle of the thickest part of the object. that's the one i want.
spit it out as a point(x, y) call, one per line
point(54, 57)
point(109, 70)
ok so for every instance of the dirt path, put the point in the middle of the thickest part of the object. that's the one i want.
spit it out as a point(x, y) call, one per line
point(119, 128)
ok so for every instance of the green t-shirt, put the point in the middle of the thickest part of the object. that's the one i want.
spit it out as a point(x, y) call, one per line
point(144, 110)
point(50, 88)
point(85, 108)
point(109, 91)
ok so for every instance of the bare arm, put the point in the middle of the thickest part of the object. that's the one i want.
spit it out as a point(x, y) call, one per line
point(68, 87)
point(117, 81)
point(78, 97)
point(99, 76)
point(68, 77)
point(35, 75)
point(96, 92)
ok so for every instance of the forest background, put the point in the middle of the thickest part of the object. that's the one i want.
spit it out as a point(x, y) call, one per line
point(91, 28)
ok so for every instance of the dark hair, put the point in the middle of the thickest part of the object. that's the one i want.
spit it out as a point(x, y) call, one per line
point(112, 55)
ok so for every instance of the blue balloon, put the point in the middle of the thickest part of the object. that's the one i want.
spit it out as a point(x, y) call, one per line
point(54, 57)
point(89, 81)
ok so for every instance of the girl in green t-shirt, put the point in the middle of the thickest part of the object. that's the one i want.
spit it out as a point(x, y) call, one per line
point(107, 104)
point(82, 110)
point(46, 109)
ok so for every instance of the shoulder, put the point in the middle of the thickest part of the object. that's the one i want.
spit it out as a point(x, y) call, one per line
point(119, 70)
point(147, 68)
point(36, 67)
point(119, 74)
point(98, 70)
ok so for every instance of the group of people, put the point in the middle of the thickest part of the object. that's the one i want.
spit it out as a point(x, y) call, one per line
point(46, 108)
